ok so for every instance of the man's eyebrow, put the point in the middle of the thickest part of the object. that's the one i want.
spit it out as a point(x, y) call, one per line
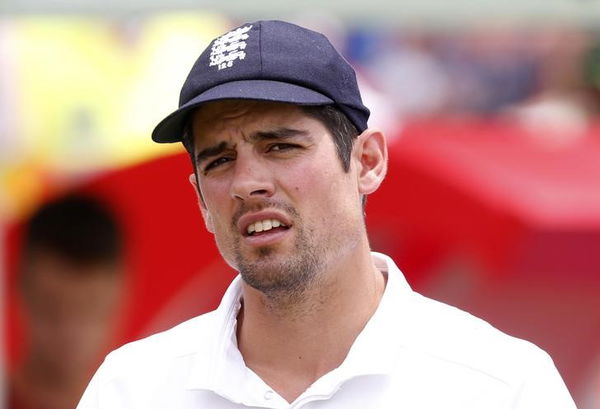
point(211, 151)
point(279, 133)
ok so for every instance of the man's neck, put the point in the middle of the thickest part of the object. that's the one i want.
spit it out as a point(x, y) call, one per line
point(290, 343)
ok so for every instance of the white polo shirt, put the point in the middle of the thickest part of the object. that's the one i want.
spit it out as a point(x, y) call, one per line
point(413, 353)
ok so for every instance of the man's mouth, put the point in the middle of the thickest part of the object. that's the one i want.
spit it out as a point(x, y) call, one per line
point(263, 226)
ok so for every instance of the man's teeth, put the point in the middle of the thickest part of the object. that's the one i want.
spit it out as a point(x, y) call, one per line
point(263, 225)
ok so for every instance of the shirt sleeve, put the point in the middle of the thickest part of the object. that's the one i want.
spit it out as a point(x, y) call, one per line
point(543, 388)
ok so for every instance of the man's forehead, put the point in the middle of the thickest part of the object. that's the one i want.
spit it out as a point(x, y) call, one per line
point(214, 118)
point(234, 109)
point(225, 109)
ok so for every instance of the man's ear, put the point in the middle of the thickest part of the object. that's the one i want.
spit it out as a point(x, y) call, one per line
point(370, 153)
point(203, 209)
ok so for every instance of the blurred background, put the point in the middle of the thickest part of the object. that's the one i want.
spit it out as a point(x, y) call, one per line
point(492, 202)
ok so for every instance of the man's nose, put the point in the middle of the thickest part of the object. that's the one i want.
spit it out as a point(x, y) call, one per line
point(252, 178)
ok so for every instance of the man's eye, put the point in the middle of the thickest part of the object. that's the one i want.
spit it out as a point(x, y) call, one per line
point(278, 147)
point(217, 162)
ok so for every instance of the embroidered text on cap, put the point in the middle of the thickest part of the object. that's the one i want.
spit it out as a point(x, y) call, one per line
point(229, 47)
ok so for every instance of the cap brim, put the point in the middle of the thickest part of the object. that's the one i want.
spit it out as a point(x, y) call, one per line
point(170, 129)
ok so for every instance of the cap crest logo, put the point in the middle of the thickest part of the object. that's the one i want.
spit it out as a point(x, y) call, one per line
point(229, 47)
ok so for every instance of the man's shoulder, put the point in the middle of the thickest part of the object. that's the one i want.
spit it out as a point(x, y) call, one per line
point(456, 337)
point(181, 341)
point(149, 371)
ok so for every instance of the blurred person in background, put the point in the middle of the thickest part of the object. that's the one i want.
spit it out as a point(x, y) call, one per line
point(565, 101)
point(69, 282)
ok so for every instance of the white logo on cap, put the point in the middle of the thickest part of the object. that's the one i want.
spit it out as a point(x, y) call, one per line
point(229, 47)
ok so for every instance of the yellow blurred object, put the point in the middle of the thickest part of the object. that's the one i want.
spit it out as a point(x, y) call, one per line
point(88, 92)
point(22, 188)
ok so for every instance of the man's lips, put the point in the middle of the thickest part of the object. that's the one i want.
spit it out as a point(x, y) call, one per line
point(251, 224)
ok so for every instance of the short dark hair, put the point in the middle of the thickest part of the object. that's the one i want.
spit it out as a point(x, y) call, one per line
point(337, 123)
point(75, 227)
point(341, 128)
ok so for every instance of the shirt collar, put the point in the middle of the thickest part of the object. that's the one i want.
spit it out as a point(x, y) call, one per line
point(374, 351)
point(213, 360)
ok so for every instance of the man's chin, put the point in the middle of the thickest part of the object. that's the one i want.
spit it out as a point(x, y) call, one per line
point(260, 255)
point(278, 276)
point(265, 261)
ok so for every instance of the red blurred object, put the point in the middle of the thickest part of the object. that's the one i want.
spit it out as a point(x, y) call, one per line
point(494, 191)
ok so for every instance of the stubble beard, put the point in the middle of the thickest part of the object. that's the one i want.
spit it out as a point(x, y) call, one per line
point(283, 279)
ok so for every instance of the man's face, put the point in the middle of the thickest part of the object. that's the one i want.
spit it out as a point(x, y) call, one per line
point(274, 193)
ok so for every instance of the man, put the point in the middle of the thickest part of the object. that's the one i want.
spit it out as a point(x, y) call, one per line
point(70, 279)
point(283, 161)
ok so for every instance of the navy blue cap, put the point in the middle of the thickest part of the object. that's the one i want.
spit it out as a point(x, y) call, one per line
point(268, 61)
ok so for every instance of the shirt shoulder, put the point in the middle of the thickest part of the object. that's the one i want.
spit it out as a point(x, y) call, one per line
point(455, 336)
point(150, 371)
point(154, 359)
point(184, 339)
point(467, 358)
